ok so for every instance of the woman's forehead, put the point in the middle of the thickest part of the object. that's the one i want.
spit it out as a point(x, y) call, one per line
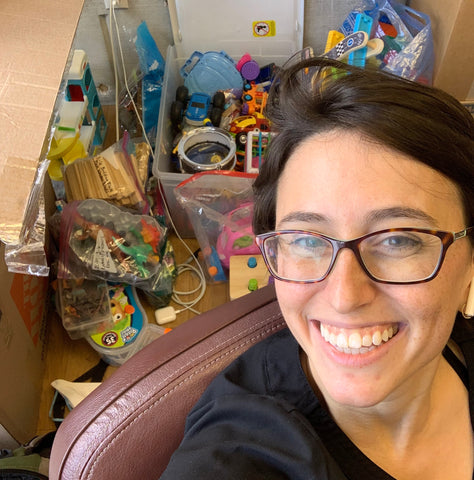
point(344, 174)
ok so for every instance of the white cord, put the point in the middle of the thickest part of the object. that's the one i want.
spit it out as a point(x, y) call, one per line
point(114, 62)
point(181, 268)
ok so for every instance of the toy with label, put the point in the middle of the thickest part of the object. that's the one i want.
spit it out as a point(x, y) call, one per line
point(129, 331)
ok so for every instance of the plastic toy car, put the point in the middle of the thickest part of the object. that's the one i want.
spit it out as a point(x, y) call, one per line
point(196, 109)
point(198, 106)
point(241, 126)
point(254, 98)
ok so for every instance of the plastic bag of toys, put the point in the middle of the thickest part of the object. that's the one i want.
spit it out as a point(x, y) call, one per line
point(220, 208)
point(404, 35)
point(101, 241)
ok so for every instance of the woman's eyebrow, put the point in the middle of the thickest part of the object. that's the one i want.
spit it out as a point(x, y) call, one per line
point(302, 216)
point(400, 212)
point(374, 216)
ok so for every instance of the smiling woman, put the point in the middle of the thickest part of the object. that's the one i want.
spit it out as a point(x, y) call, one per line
point(364, 214)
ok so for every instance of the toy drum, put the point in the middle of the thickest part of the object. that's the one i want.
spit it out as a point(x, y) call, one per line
point(206, 148)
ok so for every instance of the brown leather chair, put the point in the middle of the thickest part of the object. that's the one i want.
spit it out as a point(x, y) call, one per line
point(131, 424)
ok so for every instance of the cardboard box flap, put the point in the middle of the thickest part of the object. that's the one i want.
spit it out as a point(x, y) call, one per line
point(36, 38)
point(453, 37)
point(265, 28)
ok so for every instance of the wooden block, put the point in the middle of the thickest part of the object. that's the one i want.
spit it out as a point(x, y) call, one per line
point(240, 274)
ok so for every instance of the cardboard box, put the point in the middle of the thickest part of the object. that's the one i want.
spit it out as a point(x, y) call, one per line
point(195, 29)
point(22, 309)
point(36, 38)
point(453, 36)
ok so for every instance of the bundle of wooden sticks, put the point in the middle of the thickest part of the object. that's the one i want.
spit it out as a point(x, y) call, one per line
point(107, 176)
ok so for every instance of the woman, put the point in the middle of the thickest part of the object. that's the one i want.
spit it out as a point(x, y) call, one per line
point(365, 211)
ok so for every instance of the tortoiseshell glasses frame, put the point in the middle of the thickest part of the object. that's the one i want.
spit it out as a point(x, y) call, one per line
point(422, 250)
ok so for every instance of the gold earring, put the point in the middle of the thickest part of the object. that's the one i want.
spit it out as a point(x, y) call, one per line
point(465, 314)
point(468, 308)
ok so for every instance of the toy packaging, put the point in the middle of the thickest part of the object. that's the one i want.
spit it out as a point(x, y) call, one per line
point(109, 316)
point(83, 305)
point(220, 208)
point(101, 241)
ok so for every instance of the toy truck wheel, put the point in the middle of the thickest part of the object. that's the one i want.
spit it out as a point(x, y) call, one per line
point(241, 140)
point(176, 112)
point(215, 116)
point(218, 100)
point(182, 94)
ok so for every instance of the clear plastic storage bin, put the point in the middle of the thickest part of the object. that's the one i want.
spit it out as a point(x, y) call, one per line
point(269, 31)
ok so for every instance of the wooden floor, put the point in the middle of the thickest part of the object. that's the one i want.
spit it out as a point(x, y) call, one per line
point(68, 359)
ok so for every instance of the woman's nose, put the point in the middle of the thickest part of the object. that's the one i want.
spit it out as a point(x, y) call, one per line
point(348, 287)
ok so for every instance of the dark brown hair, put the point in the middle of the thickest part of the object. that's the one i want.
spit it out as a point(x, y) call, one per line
point(320, 95)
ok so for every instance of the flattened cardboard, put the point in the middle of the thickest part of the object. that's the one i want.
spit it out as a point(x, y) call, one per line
point(36, 37)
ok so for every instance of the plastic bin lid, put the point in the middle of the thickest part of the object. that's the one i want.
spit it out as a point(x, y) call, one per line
point(265, 28)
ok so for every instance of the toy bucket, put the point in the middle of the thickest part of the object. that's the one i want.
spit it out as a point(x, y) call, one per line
point(206, 148)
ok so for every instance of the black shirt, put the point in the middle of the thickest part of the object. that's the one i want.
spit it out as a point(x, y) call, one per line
point(260, 419)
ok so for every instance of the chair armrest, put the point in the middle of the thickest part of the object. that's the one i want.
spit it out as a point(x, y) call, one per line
point(132, 423)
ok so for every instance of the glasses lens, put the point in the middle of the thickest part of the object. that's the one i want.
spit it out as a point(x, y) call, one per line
point(401, 256)
point(298, 256)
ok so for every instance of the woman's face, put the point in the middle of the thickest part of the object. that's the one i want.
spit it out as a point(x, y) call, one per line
point(339, 185)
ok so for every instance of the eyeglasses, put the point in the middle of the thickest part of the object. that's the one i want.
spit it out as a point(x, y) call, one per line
point(394, 255)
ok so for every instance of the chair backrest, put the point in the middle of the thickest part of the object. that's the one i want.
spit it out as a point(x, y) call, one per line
point(131, 424)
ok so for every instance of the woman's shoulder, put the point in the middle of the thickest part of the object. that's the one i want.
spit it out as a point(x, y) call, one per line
point(271, 368)
point(253, 371)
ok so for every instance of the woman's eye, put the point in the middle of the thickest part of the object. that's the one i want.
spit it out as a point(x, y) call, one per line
point(307, 245)
point(399, 244)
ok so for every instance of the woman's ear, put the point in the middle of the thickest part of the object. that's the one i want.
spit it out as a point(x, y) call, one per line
point(468, 309)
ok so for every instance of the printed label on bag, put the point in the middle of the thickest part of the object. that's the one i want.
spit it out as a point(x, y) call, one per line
point(102, 260)
point(264, 28)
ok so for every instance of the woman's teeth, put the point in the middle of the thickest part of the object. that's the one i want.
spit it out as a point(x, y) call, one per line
point(357, 342)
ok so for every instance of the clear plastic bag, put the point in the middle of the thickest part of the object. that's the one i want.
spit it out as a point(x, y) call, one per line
point(101, 241)
point(110, 175)
point(415, 60)
point(28, 256)
point(220, 208)
point(407, 36)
